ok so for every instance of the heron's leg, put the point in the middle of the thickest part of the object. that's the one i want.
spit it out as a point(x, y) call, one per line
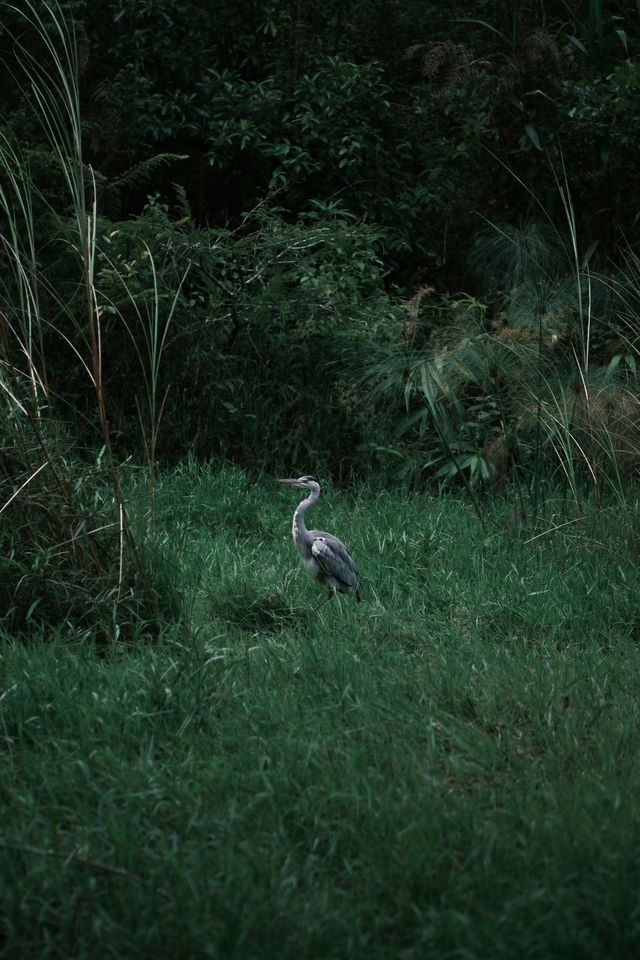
point(336, 596)
point(333, 595)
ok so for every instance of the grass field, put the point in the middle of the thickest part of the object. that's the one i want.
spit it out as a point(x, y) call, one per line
point(449, 769)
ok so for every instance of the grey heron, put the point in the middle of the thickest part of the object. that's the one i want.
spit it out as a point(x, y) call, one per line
point(325, 557)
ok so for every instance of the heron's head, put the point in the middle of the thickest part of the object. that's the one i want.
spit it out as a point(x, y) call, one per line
point(303, 483)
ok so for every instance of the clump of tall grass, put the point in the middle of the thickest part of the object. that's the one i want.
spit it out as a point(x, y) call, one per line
point(68, 552)
point(533, 381)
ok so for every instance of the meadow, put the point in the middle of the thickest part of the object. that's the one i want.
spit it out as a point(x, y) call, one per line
point(201, 757)
point(448, 769)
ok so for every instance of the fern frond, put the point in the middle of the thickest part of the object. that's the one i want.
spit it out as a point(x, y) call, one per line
point(139, 174)
point(540, 49)
point(182, 203)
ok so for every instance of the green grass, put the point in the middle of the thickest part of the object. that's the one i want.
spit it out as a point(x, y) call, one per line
point(449, 769)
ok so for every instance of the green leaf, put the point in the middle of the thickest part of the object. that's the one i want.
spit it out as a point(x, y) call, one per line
point(532, 133)
point(578, 43)
point(623, 39)
point(614, 363)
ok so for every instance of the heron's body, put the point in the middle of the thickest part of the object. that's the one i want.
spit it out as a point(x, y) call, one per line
point(325, 557)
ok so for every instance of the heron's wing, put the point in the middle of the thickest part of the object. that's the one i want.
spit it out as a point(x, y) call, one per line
point(333, 558)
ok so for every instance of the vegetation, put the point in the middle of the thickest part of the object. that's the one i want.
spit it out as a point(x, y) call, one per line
point(394, 245)
point(446, 767)
point(278, 190)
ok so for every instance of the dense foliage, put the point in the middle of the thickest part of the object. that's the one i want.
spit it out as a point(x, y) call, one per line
point(313, 168)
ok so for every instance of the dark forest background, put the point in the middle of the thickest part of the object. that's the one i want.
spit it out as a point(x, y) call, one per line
point(369, 223)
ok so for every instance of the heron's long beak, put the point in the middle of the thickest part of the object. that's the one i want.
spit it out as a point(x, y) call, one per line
point(291, 483)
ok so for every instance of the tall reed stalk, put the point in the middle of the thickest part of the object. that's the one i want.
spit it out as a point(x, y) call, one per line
point(149, 332)
point(45, 64)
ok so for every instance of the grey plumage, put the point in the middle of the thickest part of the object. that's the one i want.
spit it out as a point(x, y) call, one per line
point(325, 557)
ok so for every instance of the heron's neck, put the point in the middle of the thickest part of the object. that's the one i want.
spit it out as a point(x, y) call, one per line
point(299, 529)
